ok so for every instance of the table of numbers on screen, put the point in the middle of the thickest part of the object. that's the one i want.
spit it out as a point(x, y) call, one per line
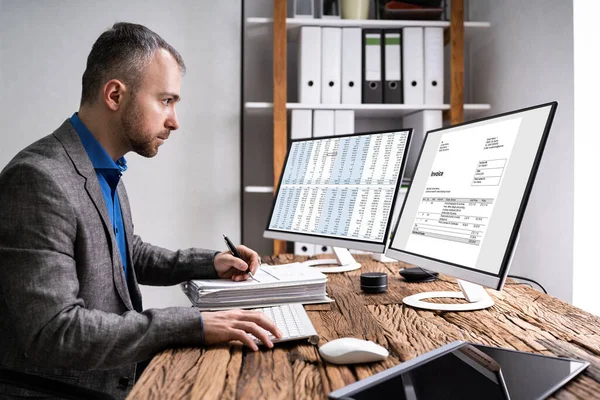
point(340, 187)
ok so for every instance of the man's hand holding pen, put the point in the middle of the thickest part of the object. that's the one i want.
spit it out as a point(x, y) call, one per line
point(239, 264)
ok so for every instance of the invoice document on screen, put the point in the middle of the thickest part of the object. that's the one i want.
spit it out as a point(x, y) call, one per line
point(459, 196)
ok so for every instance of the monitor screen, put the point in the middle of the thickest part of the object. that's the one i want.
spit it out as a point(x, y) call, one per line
point(462, 212)
point(340, 191)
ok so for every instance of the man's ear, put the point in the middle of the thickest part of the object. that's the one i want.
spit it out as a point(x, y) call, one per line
point(114, 93)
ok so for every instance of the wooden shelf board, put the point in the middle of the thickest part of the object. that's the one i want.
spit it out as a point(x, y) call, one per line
point(362, 110)
point(361, 23)
point(293, 25)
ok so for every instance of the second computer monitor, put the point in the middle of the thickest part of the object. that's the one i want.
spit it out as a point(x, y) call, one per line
point(463, 210)
point(340, 190)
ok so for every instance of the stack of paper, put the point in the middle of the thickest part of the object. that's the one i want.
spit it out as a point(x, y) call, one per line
point(272, 285)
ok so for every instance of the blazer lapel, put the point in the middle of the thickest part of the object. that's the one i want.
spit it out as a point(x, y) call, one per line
point(136, 295)
point(67, 135)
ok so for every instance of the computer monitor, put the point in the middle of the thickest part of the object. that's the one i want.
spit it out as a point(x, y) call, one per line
point(463, 209)
point(340, 191)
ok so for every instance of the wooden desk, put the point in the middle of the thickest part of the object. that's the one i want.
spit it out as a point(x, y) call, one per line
point(522, 319)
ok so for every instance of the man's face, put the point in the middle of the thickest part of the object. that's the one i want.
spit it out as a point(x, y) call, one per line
point(149, 115)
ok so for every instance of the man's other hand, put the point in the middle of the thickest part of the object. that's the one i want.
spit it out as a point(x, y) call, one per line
point(225, 326)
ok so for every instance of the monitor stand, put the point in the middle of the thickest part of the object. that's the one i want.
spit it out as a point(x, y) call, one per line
point(477, 298)
point(476, 295)
point(381, 257)
point(343, 261)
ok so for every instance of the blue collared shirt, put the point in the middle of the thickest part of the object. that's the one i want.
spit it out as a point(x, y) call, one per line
point(109, 173)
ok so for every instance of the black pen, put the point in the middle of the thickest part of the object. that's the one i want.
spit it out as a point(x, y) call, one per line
point(236, 253)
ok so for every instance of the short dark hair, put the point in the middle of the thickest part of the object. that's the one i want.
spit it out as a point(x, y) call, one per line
point(122, 52)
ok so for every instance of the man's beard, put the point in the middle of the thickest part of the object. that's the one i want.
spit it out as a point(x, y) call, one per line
point(141, 142)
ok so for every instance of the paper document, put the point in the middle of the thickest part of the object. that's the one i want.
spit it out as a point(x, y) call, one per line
point(274, 284)
point(267, 275)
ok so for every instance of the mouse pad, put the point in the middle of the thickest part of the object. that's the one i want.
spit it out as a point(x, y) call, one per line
point(459, 370)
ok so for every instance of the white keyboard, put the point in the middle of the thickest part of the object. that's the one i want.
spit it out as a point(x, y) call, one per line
point(292, 321)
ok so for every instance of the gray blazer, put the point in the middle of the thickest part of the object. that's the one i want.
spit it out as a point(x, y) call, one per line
point(66, 311)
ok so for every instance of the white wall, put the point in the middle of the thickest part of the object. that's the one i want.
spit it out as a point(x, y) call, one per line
point(586, 274)
point(526, 58)
point(189, 194)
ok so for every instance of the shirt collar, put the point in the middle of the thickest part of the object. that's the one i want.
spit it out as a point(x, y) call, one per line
point(98, 156)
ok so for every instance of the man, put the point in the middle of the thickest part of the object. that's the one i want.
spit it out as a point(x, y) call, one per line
point(70, 305)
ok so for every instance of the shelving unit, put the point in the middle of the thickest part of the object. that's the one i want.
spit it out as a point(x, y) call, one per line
point(284, 29)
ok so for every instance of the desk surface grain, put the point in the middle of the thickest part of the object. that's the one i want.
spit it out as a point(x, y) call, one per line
point(522, 319)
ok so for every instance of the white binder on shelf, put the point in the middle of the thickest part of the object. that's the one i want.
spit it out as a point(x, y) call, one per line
point(351, 65)
point(331, 65)
point(392, 71)
point(301, 128)
point(372, 91)
point(343, 122)
point(322, 249)
point(301, 124)
point(323, 123)
point(421, 122)
point(304, 249)
point(327, 123)
point(413, 59)
point(434, 65)
point(309, 60)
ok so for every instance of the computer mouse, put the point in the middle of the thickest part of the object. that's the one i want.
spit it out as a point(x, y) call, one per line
point(418, 274)
point(352, 351)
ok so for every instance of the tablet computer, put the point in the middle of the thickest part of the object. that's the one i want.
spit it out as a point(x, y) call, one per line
point(462, 370)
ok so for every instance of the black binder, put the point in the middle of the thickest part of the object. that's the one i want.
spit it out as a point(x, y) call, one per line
point(372, 91)
point(392, 88)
